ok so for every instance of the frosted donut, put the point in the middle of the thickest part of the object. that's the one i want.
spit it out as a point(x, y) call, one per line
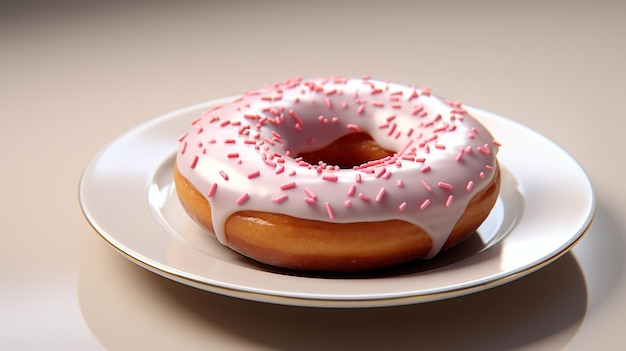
point(337, 174)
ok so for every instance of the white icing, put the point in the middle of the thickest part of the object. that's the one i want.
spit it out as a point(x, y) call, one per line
point(258, 130)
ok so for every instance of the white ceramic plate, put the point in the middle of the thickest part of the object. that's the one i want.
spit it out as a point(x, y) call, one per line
point(545, 206)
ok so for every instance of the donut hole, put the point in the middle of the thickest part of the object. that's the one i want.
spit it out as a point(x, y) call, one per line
point(348, 151)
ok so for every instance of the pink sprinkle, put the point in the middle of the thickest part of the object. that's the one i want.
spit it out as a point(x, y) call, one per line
point(280, 199)
point(243, 198)
point(380, 172)
point(449, 200)
point(233, 155)
point(381, 194)
point(309, 200)
point(481, 175)
point(287, 186)
point(425, 169)
point(426, 186)
point(329, 209)
point(469, 186)
point(214, 108)
point(378, 103)
point(361, 109)
point(344, 105)
point(330, 177)
point(364, 197)
point(254, 174)
point(329, 104)
point(347, 203)
point(243, 129)
point(358, 177)
point(496, 143)
point(251, 92)
point(183, 148)
point(280, 169)
point(212, 190)
point(269, 141)
point(425, 204)
point(484, 150)
point(446, 186)
point(194, 162)
point(354, 127)
point(392, 129)
point(400, 183)
point(310, 193)
point(351, 190)
point(224, 175)
point(295, 116)
point(229, 141)
point(402, 207)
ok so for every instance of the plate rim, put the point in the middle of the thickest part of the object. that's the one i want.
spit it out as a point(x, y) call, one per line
point(316, 300)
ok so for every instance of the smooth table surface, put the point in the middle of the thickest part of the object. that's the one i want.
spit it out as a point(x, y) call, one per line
point(74, 76)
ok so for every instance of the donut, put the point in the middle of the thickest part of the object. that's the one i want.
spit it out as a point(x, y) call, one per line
point(337, 174)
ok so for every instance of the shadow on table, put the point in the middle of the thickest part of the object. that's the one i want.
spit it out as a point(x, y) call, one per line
point(128, 307)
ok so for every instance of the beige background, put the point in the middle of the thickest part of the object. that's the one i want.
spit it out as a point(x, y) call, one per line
point(74, 76)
